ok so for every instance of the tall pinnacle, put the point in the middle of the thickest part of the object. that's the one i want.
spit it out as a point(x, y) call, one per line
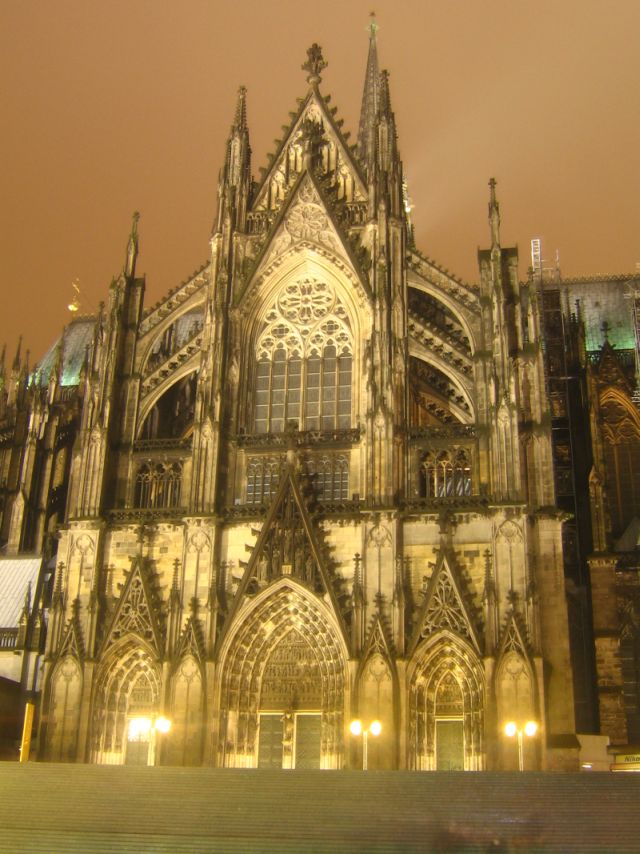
point(132, 247)
point(494, 215)
point(240, 120)
point(370, 97)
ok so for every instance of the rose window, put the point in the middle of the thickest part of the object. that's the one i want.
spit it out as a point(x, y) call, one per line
point(305, 221)
point(306, 301)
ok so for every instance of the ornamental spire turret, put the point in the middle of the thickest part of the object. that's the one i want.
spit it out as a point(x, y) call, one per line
point(235, 179)
point(494, 215)
point(370, 98)
point(132, 248)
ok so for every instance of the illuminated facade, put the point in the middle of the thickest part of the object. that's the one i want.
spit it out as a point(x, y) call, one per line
point(314, 482)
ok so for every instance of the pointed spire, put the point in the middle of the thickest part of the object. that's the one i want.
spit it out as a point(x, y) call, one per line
point(234, 187)
point(16, 361)
point(370, 97)
point(132, 248)
point(386, 126)
point(240, 120)
point(494, 215)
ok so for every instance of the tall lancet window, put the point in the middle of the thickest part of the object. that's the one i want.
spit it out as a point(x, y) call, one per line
point(304, 361)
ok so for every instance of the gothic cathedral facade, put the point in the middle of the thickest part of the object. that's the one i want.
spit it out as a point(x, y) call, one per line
point(314, 483)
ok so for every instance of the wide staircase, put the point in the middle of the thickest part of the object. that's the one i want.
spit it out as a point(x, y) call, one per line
point(72, 808)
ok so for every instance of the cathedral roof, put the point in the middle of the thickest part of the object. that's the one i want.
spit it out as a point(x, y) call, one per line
point(602, 299)
point(77, 337)
point(16, 574)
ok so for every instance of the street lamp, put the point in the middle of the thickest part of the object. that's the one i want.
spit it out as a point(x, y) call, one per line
point(375, 728)
point(530, 729)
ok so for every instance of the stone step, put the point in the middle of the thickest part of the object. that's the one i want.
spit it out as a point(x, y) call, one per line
point(57, 807)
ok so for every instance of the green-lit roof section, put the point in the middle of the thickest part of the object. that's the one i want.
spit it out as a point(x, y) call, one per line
point(606, 300)
point(77, 337)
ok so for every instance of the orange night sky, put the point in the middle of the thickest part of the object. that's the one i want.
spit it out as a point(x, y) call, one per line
point(111, 107)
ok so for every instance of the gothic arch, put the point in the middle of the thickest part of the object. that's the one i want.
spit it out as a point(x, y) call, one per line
point(452, 305)
point(257, 672)
point(446, 686)
point(164, 389)
point(128, 684)
point(463, 409)
point(65, 694)
point(300, 263)
point(621, 451)
point(376, 695)
point(183, 320)
point(187, 712)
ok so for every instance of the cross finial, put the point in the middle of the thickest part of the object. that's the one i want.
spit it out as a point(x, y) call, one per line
point(372, 26)
point(315, 64)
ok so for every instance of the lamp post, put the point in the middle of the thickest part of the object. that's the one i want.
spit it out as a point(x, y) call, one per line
point(529, 729)
point(375, 728)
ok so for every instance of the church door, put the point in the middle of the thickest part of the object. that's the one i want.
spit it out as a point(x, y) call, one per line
point(307, 748)
point(270, 741)
point(449, 745)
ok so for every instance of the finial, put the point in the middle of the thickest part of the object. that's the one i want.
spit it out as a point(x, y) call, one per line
point(240, 120)
point(132, 247)
point(494, 215)
point(74, 305)
point(16, 361)
point(372, 26)
point(315, 64)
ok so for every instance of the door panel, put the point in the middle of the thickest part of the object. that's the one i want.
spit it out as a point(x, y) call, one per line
point(308, 735)
point(449, 746)
point(270, 742)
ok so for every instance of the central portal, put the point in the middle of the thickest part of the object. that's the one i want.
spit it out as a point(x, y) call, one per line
point(283, 677)
point(289, 740)
point(291, 684)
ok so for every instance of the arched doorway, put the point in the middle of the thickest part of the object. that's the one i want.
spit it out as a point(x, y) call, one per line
point(126, 701)
point(446, 707)
point(283, 684)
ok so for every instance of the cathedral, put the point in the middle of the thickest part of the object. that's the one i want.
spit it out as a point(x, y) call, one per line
point(325, 480)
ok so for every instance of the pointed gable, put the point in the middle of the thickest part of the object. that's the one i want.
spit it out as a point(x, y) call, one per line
point(136, 610)
point(378, 642)
point(287, 545)
point(513, 638)
point(191, 641)
point(73, 640)
point(445, 607)
point(307, 220)
point(313, 124)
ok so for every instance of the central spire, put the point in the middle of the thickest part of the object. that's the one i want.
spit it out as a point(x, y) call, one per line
point(370, 96)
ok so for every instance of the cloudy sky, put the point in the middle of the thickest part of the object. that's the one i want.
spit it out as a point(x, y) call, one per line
point(111, 107)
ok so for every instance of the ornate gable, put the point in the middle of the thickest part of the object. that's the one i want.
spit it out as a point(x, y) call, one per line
point(313, 118)
point(307, 222)
point(136, 611)
point(378, 642)
point(609, 371)
point(445, 607)
point(73, 640)
point(513, 638)
point(191, 641)
point(287, 545)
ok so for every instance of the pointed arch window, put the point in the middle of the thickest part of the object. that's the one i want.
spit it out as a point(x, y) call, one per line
point(446, 474)
point(158, 485)
point(304, 362)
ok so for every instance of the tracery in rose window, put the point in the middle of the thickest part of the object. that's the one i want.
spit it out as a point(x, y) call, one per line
point(304, 356)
